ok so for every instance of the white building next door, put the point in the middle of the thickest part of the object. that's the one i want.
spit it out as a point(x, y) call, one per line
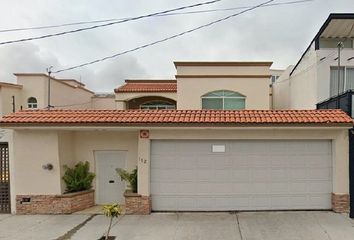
point(109, 186)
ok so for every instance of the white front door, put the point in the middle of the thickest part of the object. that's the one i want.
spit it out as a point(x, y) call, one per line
point(109, 186)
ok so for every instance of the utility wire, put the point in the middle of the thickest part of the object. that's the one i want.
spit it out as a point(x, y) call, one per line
point(158, 15)
point(164, 39)
point(108, 24)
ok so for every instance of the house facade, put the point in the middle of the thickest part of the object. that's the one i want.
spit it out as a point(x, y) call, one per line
point(205, 141)
point(31, 92)
point(315, 77)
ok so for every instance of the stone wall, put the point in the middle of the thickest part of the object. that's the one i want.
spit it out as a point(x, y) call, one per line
point(340, 203)
point(55, 204)
point(135, 204)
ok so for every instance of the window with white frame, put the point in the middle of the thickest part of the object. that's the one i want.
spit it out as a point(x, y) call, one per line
point(32, 102)
point(345, 83)
point(153, 105)
point(224, 100)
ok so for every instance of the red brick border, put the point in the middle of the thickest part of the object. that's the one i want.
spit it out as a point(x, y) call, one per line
point(55, 204)
point(136, 204)
point(340, 203)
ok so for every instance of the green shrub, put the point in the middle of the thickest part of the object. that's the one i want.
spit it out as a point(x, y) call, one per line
point(130, 177)
point(78, 178)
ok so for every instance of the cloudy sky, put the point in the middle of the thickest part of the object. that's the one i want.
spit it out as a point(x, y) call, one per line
point(277, 33)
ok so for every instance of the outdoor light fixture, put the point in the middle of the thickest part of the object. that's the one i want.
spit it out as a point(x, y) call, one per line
point(47, 166)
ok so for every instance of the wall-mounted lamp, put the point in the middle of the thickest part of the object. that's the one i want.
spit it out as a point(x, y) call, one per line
point(48, 166)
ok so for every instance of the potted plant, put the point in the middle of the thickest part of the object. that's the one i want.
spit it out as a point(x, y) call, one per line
point(111, 211)
point(130, 177)
point(79, 178)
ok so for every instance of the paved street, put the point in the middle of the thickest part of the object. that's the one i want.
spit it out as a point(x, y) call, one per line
point(203, 226)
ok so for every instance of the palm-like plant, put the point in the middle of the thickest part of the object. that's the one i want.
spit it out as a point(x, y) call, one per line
point(111, 211)
point(78, 178)
point(130, 177)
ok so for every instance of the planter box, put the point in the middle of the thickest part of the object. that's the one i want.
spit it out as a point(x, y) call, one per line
point(136, 204)
point(55, 204)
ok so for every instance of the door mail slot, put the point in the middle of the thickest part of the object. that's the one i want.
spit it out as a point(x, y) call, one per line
point(111, 181)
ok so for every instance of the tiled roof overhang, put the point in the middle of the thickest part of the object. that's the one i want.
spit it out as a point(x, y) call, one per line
point(232, 118)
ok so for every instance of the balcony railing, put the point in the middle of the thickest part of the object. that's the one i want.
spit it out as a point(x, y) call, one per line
point(344, 101)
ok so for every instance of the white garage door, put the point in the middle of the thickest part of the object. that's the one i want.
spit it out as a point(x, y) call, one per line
point(188, 175)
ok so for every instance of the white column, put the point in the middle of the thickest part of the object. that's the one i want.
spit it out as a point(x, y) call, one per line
point(341, 163)
point(144, 163)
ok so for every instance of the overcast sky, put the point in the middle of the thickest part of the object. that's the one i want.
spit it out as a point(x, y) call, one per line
point(279, 34)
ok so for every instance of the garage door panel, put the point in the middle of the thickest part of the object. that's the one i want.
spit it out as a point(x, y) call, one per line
point(224, 175)
point(321, 174)
point(250, 175)
point(240, 175)
point(260, 175)
point(186, 162)
point(163, 162)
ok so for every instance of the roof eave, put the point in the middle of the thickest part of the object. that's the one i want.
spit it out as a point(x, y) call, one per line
point(323, 27)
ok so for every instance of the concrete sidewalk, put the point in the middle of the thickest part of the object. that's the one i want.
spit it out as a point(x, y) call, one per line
point(203, 226)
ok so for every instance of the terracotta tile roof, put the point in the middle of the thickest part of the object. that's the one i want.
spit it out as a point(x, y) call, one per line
point(178, 117)
point(148, 86)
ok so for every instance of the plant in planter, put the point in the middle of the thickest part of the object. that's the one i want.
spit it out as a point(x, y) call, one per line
point(111, 211)
point(78, 178)
point(130, 177)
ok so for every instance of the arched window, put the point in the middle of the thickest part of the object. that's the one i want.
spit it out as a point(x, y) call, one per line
point(157, 105)
point(223, 99)
point(32, 102)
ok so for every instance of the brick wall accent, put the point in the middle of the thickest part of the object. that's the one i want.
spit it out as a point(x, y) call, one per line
point(55, 204)
point(340, 203)
point(135, 204)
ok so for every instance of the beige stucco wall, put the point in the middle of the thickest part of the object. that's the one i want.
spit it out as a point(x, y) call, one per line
point(190, 91)
point(36, 148)
point(192, 84)
point(223, 70)
point(62, 94)
point(103, 103)
point(69, 97)
point(33, 86)
point(6, 94)
point(281, 90)
point(33, 149)
point(66, 147)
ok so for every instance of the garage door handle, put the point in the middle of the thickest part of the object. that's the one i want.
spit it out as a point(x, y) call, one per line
point(111, 181)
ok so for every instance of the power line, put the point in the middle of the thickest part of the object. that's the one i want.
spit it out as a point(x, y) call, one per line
point(164, 39)
point(158, 15)
point(108, 24)
point(70, 105)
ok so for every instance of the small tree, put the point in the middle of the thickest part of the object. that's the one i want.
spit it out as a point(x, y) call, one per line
point(78, 178)
point(130, 177)
point(111, 211)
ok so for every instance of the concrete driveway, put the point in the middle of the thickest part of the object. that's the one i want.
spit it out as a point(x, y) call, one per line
point(203, 226)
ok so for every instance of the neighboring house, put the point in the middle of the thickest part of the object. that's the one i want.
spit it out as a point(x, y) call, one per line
point(222, 148)
point(315, 76)
point(276, 73)
point(315, 82)
point(31, 92)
